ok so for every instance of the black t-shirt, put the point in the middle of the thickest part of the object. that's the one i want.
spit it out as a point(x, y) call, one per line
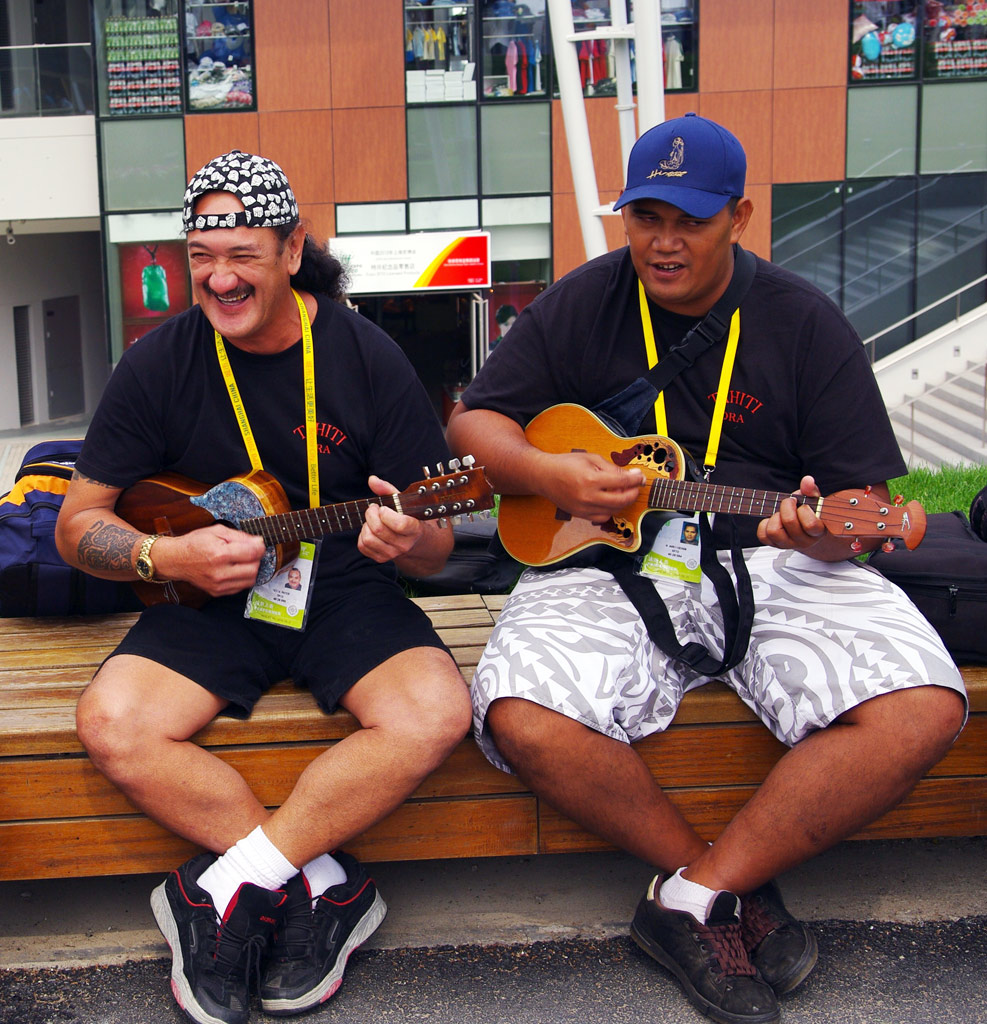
point(166, 408)
point(802, 399)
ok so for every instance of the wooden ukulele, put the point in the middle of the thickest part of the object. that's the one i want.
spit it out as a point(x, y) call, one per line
point(536, 532)
point(173, 505)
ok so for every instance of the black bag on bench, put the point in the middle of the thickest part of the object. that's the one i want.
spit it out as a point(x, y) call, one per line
point(946, 578)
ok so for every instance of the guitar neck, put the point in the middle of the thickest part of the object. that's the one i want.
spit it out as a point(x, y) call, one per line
point(309, 523)
point(698, 496)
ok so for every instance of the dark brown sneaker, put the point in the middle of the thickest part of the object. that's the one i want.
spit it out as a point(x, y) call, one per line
point(779, 946)
point(708, 960)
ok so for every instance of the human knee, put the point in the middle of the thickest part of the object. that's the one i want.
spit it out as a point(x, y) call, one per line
point(521, 729)
point(107, 722)
point(922, 722)
point(435, 719)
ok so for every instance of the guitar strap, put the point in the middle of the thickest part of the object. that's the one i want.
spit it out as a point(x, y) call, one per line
point(627, 410)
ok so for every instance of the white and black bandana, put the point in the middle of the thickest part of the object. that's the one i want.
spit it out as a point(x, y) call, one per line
point(257, 182)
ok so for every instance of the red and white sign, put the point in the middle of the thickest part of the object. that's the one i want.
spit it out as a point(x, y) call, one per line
point(429, 261)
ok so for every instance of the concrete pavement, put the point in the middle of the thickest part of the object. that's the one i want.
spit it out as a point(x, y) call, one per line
point(902, 929)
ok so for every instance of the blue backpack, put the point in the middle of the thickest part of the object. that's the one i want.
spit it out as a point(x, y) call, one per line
point(34, 579)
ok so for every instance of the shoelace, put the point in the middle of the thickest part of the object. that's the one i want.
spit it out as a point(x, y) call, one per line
point(294, 939)
point(239, 956)
point(727, 946)
point(756, 922)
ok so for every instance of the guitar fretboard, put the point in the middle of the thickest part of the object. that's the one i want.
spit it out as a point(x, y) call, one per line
point(698, 496)
point(314, 522)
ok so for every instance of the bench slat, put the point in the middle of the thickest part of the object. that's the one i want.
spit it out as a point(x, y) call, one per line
point(80, 847)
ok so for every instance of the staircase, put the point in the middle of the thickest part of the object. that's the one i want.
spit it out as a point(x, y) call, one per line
point(946, 424)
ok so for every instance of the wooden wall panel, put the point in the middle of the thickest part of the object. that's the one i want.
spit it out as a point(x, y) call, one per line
point(369, 155)
point(748, 116)
point(567, 237)
point(810, 43)
point(736, 40)
point(292, 47)
point(366, 53)
point(301, 142)
point(809, 133)
point(319, 218)
point(209, 135)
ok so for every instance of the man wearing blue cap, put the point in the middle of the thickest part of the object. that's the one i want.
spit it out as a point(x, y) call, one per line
point(684, 335)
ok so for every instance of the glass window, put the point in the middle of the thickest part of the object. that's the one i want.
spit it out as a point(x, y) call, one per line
point(807, 233)
point(438, 53)
point(441, 151)
point(952, 245)
point(138, 59)
point(953, 139)
point(443, 213)
point(955, 40)
point(883, 39)
point(143, 164)
point(219, 56)
point(45, 59)
point(680, 44)
point(879, 258)
point(370, 218)
point(881, 131)
point(516, 147)
point(514, 50)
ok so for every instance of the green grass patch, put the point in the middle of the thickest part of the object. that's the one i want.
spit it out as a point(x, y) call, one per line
point(943, 489)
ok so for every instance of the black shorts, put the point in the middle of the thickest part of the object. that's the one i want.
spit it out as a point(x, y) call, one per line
point(348, 635)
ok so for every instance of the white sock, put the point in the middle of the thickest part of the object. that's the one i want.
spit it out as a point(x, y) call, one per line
point(322, 873)
point(678, 893)
point(253, 859)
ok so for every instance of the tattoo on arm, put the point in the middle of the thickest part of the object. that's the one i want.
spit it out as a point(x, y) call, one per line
point(107, 546)
point(76, 475)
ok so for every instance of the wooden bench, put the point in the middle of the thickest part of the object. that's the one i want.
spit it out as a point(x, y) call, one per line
point(59, 817)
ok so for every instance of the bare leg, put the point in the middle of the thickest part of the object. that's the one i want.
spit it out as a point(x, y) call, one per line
point(596, 781)
point(136, 717)
point(831, 785)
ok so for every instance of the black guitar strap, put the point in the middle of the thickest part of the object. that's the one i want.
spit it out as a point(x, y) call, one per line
point(627, 409)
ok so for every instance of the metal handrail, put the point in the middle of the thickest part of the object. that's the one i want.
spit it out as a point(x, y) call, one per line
point(938, 387)
point(925, 309)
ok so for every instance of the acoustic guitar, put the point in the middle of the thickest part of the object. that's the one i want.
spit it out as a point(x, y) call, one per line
point(173, 505)
point(536, 532)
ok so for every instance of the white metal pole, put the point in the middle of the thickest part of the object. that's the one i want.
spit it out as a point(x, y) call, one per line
point(576, 128)
point(625, 88)
point(648, 52)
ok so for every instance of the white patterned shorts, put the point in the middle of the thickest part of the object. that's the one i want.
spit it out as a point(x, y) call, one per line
point(826, 637)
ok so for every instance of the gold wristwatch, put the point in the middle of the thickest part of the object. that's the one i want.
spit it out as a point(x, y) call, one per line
point(143, 563)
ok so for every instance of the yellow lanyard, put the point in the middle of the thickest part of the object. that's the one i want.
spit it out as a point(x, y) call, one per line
point(726, 371)
point(311, 443)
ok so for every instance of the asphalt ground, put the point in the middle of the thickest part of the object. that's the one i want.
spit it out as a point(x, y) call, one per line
point(901, 925)
point(868, 973)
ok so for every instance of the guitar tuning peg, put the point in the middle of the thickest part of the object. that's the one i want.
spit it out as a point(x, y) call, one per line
point(443, 523)
point(468, 461)
point(856, 547)
point(456, 520)
point(426, 472)
point(439, 471)
point(454, 464)
point(899, 499)
point(888, 546)
point(867, 489)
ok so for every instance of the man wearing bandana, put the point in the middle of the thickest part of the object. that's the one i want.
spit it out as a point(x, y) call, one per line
point(213, 393)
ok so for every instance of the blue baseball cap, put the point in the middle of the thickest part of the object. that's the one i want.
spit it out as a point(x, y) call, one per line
point(691, 162)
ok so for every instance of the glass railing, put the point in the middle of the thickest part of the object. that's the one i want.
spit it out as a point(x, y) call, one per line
point(46, 79)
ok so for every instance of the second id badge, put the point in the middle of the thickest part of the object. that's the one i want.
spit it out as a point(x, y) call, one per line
point(284, 599)
point(675, 552)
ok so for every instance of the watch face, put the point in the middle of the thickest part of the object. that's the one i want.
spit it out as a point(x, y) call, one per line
point(144, 567)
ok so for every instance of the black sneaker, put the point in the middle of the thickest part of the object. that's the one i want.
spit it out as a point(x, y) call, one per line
point(212, 960)
point(781, 948)
point(312, 946)
point(709, 960)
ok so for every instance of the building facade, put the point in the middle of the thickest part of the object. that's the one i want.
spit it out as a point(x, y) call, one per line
point(865, 125)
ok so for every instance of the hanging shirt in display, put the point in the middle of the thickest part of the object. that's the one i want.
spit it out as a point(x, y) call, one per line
point(673, 63)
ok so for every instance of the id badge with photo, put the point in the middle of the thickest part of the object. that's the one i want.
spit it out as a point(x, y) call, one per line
point(675, 552)
point(284, 599)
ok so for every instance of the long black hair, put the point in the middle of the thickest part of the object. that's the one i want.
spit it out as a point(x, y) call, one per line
point(320, 271)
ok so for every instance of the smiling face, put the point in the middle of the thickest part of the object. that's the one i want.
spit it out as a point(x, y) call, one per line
point(685, 263)
point(241, 279)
